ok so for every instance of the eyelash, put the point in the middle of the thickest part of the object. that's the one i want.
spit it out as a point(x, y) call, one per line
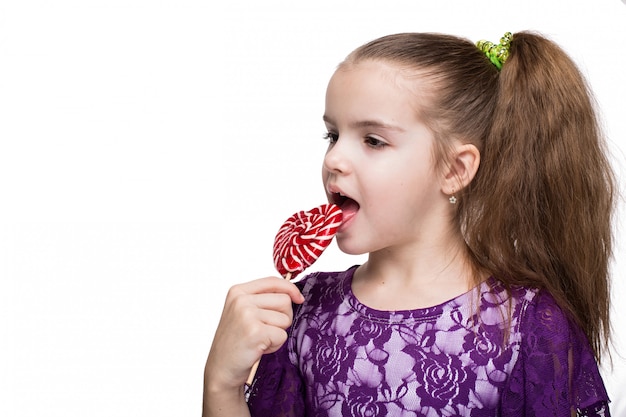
point(375, 143)
point(331, 137)
point(372, 142)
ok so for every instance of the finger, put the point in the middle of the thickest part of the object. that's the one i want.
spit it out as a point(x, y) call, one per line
point(254, 325)
point(247, 307)
point(277, 302)
point(274, 318)
point(274, 338)
point(271, 285)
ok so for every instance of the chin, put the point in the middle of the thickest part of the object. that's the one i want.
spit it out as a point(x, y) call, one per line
point(350, 249)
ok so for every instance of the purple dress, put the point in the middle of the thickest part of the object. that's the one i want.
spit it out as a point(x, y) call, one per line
point(460, 358)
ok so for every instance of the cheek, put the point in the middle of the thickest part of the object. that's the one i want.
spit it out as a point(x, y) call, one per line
point(396, 181)
point(325, 174)
point(409, 190)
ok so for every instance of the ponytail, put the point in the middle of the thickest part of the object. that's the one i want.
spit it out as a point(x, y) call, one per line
point(539, 211)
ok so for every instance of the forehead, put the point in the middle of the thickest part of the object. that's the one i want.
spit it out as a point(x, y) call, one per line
point(370, 87)
point(372, 71)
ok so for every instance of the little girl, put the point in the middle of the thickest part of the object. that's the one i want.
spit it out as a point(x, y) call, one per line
point(476, 179)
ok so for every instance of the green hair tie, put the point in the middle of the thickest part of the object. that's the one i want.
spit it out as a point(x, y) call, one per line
point(499, 53)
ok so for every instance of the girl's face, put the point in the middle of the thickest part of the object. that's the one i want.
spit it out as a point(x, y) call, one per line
point(379, 165)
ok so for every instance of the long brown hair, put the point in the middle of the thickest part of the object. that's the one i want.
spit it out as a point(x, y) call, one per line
point(539, 211)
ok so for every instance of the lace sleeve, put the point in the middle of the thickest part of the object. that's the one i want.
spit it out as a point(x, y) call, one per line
point(277, 388)
point(556, 373)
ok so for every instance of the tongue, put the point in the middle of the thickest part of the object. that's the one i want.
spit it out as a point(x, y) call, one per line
point(349, 209)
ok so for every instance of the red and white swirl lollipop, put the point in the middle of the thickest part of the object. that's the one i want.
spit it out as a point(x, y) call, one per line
point(301, 240)
point(303, 237)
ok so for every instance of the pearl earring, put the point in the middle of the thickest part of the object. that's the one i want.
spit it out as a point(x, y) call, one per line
point(452, 198)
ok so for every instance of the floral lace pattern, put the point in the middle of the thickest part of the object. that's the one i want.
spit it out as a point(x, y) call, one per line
point(461, 358)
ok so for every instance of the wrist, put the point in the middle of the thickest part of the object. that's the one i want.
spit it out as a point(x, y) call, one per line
point(224, 401)
point(224, 391)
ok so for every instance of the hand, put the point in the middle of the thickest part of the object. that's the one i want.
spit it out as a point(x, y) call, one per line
point(253, 323)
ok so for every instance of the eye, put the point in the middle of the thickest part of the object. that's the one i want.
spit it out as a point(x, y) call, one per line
point(375, 143)
point(331, 137)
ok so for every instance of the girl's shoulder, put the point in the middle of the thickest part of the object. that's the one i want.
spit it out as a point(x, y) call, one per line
point(556, 367)
point(529, 305)
point(317, 282)
point(540, 312)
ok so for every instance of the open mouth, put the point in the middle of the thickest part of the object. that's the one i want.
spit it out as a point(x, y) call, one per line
point(339, 199)
point(348, 206)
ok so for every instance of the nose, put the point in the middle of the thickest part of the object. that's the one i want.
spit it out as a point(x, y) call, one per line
point(336, 159)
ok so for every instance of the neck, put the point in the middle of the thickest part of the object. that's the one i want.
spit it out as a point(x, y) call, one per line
point(414, 277)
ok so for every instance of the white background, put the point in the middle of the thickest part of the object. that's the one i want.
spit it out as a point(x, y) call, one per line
point(149, 151)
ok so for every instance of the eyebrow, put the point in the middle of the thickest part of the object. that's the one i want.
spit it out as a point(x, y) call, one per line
point(368, 123)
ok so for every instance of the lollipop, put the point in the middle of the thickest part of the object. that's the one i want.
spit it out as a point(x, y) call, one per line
point(303, 237)
point(301, 240)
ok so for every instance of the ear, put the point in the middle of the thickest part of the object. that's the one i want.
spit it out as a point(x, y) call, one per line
point(461, 169)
